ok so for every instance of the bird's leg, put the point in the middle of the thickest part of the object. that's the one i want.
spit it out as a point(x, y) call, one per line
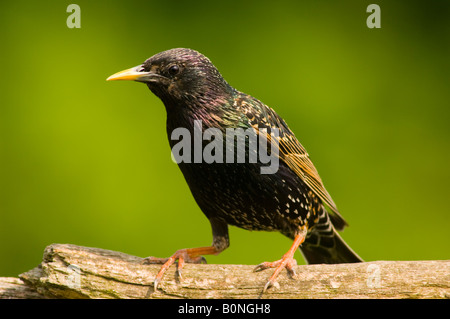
point(287, 261)
point(193, 255)
point(189, 255)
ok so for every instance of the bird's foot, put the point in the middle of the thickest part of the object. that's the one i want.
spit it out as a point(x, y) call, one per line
point(190, 255)
point(287, 262)
point(182, 256)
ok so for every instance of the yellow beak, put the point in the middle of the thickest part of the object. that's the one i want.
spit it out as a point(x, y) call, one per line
point(129, 75)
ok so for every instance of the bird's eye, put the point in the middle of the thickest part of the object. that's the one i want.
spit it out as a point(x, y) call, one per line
point(174, 69)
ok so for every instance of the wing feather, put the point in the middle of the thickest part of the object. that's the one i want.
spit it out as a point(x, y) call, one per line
point(292, 153)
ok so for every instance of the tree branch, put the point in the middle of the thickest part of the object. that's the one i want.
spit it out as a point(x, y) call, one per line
point(69, 271)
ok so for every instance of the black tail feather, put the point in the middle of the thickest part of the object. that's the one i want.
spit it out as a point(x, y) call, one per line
point(324, 245)
point(328, 250)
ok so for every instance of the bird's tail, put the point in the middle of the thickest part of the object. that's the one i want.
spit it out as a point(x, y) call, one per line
point(324, 245)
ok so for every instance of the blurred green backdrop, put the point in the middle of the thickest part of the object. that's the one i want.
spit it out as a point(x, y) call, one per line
point(87, 162)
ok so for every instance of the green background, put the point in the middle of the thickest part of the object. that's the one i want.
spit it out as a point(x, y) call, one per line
point(87, 162)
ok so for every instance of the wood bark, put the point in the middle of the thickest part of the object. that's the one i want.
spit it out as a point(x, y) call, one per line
point(69, 271)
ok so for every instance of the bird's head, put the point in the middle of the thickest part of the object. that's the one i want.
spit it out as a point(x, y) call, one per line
point(179, 75)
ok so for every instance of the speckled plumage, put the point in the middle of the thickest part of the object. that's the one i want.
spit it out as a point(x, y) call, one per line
point(292, 201)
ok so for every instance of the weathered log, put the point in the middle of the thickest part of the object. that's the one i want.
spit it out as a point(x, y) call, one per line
point(15, 288)
point(69, 271)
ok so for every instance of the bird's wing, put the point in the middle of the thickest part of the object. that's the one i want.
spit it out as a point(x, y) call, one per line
point(291, 151)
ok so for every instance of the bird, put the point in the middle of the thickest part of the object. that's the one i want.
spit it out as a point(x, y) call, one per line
point(292, 200)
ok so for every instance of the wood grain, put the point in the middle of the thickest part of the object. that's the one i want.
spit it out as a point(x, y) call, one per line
point(69, 271)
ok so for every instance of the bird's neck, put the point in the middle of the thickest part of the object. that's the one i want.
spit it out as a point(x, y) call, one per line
point(219, 112)
point(211, 109)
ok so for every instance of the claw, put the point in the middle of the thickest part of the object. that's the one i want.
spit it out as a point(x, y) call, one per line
point(290, 268)
point(154, 260)
point(262, 266)
point(267, 286)
point(180, 266)
point(155, 283)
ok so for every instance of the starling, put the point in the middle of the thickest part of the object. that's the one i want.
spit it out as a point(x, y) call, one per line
point(292, 200)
